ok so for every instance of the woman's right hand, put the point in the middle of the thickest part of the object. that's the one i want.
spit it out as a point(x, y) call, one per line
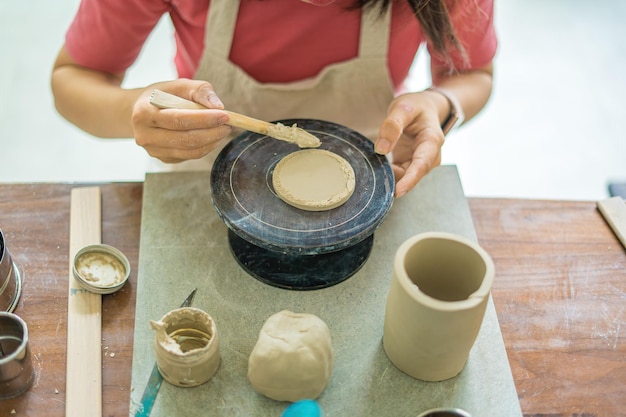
point(174, 135)
point(95, 102)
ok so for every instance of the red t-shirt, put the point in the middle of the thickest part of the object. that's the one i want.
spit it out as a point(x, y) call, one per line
point(269, 36)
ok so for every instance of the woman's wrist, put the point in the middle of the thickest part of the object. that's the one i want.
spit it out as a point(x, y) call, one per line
point(454, 115)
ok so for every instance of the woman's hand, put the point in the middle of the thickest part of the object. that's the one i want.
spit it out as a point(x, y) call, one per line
point(412, 130)
point(174, 135)
point(95, 102)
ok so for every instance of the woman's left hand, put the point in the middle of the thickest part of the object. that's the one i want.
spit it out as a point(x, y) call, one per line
point(412, 130)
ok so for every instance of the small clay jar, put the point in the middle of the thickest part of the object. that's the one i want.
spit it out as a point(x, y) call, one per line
point(186, 346)
point(436, 303)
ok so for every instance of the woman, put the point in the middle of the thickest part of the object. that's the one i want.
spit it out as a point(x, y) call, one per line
point(338, 60)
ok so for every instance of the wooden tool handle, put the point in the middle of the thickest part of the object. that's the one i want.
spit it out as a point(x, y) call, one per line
point(249, 123)
point(164, 100)
point(291, 134)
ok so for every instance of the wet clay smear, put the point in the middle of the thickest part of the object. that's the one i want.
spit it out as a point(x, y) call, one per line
point(100, 269)
point(294, 134)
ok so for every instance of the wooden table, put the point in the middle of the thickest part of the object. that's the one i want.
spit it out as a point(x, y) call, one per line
point(560, 294)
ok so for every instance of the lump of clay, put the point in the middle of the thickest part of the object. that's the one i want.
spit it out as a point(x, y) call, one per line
point(293, 358)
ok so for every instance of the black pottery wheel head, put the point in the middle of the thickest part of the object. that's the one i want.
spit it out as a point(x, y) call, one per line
point(244, 198)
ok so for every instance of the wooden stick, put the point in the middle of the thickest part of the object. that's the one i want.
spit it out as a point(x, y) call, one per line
point(291, 134)
point(614, 212)
point(83, 395)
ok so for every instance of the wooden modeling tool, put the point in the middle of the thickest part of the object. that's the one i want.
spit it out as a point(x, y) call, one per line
point(292, 134)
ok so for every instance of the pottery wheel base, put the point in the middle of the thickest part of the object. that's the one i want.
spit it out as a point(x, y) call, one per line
point(299, 272)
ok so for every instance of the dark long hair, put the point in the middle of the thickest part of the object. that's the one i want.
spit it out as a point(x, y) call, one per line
point(434, 20)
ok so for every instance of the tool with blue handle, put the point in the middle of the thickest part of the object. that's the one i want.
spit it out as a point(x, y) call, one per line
point(154, 382)
point(303, 408)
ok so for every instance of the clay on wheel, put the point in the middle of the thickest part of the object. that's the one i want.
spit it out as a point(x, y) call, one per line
point(313, 180)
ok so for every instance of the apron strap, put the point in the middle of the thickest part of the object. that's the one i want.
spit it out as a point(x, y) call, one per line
point(221, 20)
point(374, 37)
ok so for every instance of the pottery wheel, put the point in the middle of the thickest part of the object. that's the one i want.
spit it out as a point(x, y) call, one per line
point(275, 233)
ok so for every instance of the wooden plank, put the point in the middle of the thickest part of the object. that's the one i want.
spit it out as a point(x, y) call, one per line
point(84, 324)
point(614, 212)
point(559, 294)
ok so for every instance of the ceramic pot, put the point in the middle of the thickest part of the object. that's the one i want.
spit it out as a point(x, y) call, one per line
point(186, 346)
point(436, 303)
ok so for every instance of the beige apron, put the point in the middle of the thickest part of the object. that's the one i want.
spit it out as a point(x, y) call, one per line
point(355, 93)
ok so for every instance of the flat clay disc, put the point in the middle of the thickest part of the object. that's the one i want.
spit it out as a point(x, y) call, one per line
point(313, 179)
point(244, 197)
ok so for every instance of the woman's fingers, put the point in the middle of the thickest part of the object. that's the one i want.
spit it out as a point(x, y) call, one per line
point(425, 157)
point(182, 145)
point(184, 120)
point(401, 113)
point(174, 135)
point(412, 133)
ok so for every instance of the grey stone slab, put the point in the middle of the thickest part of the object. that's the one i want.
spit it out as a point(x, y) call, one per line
point(184, 245)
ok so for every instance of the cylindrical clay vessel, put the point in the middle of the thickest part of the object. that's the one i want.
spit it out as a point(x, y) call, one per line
point(436, 303)
point(186, 346)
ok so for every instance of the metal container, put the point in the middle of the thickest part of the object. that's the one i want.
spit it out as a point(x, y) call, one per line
point(16, 368)
point(10, 280)
point(445, 412)
point(101, 269)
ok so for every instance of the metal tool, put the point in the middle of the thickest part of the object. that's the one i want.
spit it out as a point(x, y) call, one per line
point(154, 382)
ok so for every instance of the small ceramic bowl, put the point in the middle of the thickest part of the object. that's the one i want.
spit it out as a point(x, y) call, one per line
point(101, 269)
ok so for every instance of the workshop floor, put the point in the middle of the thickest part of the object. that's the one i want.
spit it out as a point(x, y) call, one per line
point(553, 128)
